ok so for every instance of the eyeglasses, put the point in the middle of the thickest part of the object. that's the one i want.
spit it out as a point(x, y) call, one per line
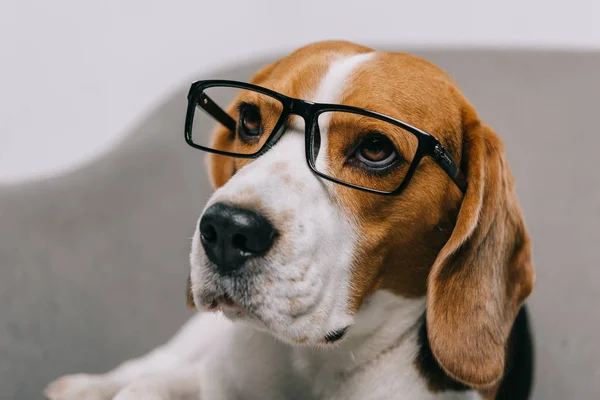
point(348, 145)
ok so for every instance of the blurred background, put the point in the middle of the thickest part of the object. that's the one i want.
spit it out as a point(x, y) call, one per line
point(99, 194)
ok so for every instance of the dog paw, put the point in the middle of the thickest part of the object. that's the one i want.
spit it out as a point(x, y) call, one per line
point(82, 387)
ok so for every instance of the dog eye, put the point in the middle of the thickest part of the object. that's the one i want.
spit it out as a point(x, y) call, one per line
point(250, 120)
point(376, 151)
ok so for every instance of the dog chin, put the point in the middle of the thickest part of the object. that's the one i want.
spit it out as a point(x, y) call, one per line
point(319, 321)
point(298, 330)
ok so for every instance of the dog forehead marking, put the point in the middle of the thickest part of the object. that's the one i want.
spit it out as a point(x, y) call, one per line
point(331, 90)
point(332, 85)
point(270, 178)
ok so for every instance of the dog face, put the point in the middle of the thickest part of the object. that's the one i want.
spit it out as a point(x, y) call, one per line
point(330, 247)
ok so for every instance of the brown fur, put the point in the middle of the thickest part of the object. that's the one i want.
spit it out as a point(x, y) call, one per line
point(296, 75)
point(470, 255)
point(484, 273)
point(403, 234)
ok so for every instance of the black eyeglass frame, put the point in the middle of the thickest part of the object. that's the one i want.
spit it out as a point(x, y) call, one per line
point(428, 145)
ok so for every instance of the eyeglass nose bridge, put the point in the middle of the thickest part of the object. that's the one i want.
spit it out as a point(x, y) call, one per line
point(301, 108)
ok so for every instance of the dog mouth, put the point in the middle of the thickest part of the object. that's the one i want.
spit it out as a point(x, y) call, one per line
point(233, 310)
point(281, 310)
point(220, 301)
point(225, 304)
point(335, 336)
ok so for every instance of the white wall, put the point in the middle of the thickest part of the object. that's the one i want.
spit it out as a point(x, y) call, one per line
point(75, 75)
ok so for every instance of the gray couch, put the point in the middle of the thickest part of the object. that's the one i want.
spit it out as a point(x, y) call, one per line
point(94, 263)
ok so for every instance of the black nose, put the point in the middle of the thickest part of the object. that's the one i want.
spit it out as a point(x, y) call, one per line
point(232, 235)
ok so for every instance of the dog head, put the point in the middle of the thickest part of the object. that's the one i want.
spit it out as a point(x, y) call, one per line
point(325, 248)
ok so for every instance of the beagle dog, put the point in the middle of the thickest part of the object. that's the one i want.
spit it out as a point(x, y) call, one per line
point(364, 242)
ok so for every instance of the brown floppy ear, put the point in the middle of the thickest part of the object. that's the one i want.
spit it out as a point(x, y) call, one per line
point(222, 168)
point(484, 272)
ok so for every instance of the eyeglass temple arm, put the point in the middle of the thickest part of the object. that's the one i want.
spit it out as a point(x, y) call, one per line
point(216, 112)
point(447, 163)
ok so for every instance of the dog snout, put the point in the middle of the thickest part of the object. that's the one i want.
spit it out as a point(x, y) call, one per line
point(231, 236)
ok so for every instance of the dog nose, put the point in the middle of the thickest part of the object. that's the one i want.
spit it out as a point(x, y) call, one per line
point(230, 236)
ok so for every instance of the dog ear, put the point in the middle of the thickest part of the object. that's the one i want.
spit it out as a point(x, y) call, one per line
point(221, 167)
point(484, 272)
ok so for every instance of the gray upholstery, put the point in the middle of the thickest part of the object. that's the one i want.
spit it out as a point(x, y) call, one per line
point(93, 263)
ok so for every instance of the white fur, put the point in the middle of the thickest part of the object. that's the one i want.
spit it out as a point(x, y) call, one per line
point(297, 293)
point(309, 267)
point(330, 91)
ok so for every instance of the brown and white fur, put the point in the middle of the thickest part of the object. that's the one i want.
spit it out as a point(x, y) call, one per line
point(429, 283)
